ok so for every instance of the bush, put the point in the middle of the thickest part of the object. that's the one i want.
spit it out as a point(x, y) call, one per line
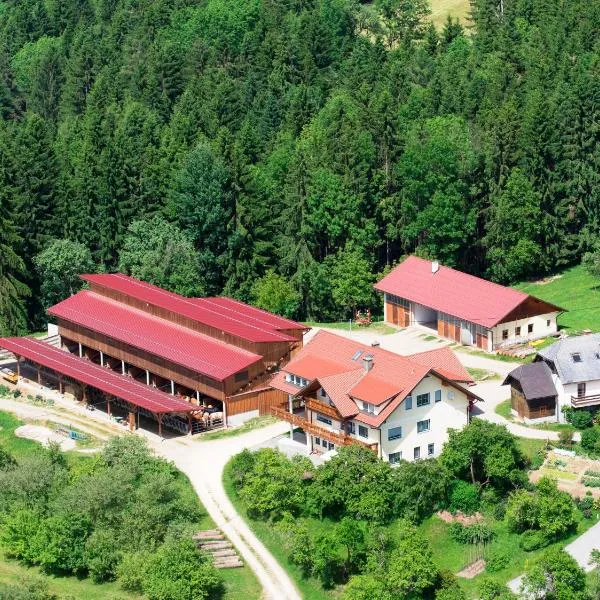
point(590, 439)
point(4, 391)
point(592, 473)
point(565, 436)
point(16, 394)
point(497, 560)
point(533, 540)
point(102, 555)
point(464, 497)
point(581, 419)
point(239, 467)
point(471, 534)
point(593, 482)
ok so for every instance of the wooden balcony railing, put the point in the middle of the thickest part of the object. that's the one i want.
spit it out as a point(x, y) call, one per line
point(580, 401)
point(339, 439)
point(322, 408)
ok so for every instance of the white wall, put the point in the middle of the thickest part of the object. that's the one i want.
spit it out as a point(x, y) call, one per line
point(592, 388)
point(540, 328)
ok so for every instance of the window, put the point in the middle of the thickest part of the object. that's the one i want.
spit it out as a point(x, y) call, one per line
point(357, 355)
point(363, 431)
point(423, 426)
point(395, 458)
point(505, 334)
point(430, 449)
point(417, 453)
point(323, 419)
point(324, 443)
point(370, 408)
point(318, 441)
point(241, 376)
point(394, 433)
point(351, 427)
point(408, 402)
point(547, 322)
point(422, 399)
point(289, 378)
point(438, 395)
point(576, 357)
point(517, 331)
point(530, 328)
point(331, 446)
point(581, 390)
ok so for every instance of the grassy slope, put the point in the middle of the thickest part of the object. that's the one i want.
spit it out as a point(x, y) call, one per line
point(375, 327)
point(440, 9)
point(576, 291)
point(239, 583)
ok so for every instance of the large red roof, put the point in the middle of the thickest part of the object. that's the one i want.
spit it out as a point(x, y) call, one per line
point(101, 378)
point(336, 362)
point(164, 339)
point(454, 292)
point(210, 312)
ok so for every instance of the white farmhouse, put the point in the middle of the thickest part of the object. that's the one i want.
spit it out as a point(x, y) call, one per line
point(342, 392)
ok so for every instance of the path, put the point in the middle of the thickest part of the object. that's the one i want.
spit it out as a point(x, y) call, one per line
point(203, 463)
point(580, 549)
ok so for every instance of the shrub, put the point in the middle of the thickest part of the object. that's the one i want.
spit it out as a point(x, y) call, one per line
point(239, 467)
point(581, 419)
point(130, 571)
point(16, 394)
point(565, 436)
point(593, 482)
point(592, 473)
point(464, 497)
point(533, 540)
point(590, 439)
point(4, 391)
point(497, 560)
point(102, 555)
point(471, 534)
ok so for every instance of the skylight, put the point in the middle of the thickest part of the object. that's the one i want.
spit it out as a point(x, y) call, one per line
point(357, 354)
point(576, 356)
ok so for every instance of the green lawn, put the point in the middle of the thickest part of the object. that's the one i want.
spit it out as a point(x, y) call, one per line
point(454, 556)
point(376, 327)
point(574, 290)
point(482, 374)
point(255, 423)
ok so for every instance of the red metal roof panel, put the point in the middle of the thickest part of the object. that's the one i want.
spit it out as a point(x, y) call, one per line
point(453, 292)
point(160, 337)
point(91, 374)
point(212, 316)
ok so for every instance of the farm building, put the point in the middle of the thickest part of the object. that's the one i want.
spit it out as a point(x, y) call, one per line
point(462, 307)
point(194, 355)
point(342, 392)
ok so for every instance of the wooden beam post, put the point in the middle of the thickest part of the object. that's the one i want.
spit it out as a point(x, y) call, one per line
point(147, 377)
point(172, 387)
point(101, 358)
point(84, 394)
point(108, 406)
point(18, 368)
point(225, 412)
point(80, 350)
point(60, 384)
point(131, 421)
point(189, 416)
point(39, 375)
point(160, 418)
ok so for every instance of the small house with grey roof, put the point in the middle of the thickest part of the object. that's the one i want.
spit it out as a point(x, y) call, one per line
point(571, 365)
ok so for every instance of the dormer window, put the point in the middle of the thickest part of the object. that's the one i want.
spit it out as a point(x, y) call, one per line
point(289, 378)
point(576, 357)
point(368, 407)
point(322, 393)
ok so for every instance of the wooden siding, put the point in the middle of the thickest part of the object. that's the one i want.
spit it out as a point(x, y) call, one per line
point(324, 409)
point(532, 409)
point(531, 307)
point(397, 315)
point(262, 400)
point(145, 360)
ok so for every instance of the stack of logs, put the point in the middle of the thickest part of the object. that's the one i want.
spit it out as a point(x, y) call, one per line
point(213, 542)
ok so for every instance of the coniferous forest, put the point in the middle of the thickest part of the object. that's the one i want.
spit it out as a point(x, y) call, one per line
point(291, 150)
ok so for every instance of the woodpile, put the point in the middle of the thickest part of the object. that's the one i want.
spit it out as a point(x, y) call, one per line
point(223, 553)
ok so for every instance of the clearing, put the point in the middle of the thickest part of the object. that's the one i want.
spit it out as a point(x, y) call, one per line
point(575, 290)
point(457, 9)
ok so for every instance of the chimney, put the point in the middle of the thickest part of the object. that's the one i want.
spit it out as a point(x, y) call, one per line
point(435, 266)
point(368, 363)
point(375, 344)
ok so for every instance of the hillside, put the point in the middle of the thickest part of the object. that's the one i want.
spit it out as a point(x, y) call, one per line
point(573, 289)
point(287, 152)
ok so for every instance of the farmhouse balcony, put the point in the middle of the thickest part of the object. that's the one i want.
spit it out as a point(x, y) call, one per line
point(581, 401)
point(337, 438)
